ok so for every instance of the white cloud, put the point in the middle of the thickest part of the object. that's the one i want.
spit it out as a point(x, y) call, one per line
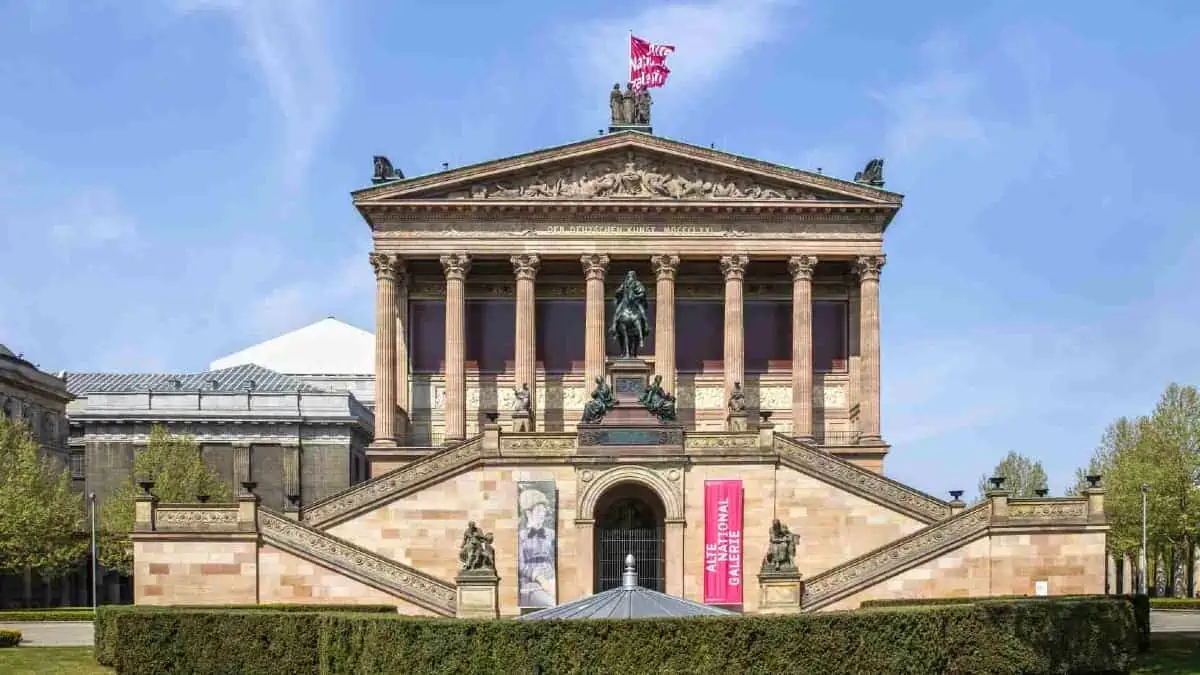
point(287, 41)
point(709, 38)
point(91, 218)
point(287, 306)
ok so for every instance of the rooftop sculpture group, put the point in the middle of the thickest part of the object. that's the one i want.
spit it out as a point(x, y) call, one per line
point(630, 107)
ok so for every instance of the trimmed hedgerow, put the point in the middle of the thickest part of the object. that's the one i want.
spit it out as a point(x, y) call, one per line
point(1086, 635)
point(10, 638)
point(30, 615)
point(1175, 603)
point(106, 629)
point(1141, 606)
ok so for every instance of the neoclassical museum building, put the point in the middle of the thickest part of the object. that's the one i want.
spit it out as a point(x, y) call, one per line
point(715, 319)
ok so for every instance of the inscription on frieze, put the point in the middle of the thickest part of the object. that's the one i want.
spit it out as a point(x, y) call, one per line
point(628, 385)
point(616, 437)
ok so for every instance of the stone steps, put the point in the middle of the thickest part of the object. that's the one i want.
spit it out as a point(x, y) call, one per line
point(372, 569)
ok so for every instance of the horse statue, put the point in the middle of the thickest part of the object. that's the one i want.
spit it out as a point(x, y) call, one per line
point(630, 325)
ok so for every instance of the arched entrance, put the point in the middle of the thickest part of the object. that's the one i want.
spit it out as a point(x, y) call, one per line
point(629, 519)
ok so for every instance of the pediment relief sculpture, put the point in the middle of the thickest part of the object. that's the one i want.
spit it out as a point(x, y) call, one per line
point(637, 176)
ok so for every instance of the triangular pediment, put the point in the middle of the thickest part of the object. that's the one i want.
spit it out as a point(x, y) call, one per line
point(627, 166)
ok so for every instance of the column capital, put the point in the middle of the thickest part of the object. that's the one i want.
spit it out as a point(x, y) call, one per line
point(526, 265)
point(868, 267)
point(665, 266)
point(802, 267)
point(387, 266)
point(595, 265)
point(456, 265)
point(734, 266)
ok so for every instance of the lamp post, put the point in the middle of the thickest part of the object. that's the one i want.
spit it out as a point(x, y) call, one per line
point(92, 509)
point(1145, 489)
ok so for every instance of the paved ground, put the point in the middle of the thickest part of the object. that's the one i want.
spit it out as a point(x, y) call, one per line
point(1174, 621)
point(54, 633)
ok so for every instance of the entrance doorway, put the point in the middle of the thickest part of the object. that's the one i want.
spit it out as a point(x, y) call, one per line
point(629, 520)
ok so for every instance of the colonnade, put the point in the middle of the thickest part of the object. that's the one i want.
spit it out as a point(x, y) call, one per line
point(392, 350)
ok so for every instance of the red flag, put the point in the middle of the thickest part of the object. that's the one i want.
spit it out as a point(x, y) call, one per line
point(648, 63)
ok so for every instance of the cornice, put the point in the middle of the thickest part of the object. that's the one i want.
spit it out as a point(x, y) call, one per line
point(623, 140)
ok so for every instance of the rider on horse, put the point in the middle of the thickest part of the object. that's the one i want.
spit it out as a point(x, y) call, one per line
point(630, 325)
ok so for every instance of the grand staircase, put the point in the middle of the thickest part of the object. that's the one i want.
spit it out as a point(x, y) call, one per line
point(895, 557)
point(372, 569)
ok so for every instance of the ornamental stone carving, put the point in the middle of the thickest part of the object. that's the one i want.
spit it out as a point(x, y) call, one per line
point(456, 266)
point(525, 266)
point(423, 589)
point(665, 266)
point(873, 486)
point(190, 519)
point(840, 581)
point(636, 175)
point(831, 395)
point(1055, 510)
point(387, 266)
point(734, 266)
point(670, 492)
point(774, 398)
point(595, 266)
point(389, 486)
point(868, 267)
point(802, 266)
point(709, 398)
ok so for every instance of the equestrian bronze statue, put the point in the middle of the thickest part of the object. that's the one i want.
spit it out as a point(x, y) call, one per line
point(630, 325)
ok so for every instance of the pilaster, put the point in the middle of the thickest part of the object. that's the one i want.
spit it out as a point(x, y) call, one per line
point(733, 267)
point(595, 267)
point(456, 266)
point(802, 268)
point(525, 267)
point(868, 269)
point(386, 267)
point(665, 268)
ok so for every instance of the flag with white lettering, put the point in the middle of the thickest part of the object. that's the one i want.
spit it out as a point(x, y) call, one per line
point(648, 63)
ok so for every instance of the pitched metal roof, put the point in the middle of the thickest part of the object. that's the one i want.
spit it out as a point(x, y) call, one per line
point(627, 601)
point(237, 378)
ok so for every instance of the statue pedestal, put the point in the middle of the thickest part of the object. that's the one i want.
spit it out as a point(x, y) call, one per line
point(736, 421)
point(478, 595)
point(780, 592)
point(522, 422)
point(630, 429)
point(644, 128)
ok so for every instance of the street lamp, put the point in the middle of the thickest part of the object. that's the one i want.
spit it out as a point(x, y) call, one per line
point(92, 509)
point(1145, 489)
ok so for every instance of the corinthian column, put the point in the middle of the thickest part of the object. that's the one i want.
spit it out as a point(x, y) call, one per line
point(386, 267)
point(403, 413)
point(595, 266)
point(734, 269)
point(456, 266)
point(867, 268)
point(665, 267)
point(525, 266)
point(802, 268)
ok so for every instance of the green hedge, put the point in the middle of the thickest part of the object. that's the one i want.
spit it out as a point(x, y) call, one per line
point(47, 615)
point(1175, 603)
point(1087, 635)
point(1141, 606)
point(105, 630)
point(10, 638)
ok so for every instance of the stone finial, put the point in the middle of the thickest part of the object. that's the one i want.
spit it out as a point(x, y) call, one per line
point(1094, 480)
point(997, 482)
point(1041, 492)
point(629, 578)
point(147, 485)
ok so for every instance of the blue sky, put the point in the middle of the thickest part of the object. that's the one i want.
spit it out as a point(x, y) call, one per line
point(174, 176)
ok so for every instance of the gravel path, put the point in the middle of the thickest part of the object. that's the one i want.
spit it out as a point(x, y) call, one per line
point(54, 633)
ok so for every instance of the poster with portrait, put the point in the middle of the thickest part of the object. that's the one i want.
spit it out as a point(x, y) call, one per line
point(537, 520)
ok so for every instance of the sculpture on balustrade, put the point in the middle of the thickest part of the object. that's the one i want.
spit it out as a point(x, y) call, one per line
point(602, 402)
point(737, 400)
point(658, 401)
point(477, 554)
point(522, 401)
point(781, 556)
point(630, 323)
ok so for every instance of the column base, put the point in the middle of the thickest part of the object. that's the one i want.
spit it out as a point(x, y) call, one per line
point(383, 444)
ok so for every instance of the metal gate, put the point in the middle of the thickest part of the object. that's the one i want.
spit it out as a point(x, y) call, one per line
point(629, 526)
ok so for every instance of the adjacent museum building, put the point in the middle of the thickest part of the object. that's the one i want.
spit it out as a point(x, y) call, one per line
point(502, 290)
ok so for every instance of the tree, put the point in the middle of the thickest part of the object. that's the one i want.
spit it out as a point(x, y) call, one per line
point(1022, 475)
point(179, 474)
point(41, 522)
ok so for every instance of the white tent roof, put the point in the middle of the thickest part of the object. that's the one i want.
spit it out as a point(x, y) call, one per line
point(327, 347)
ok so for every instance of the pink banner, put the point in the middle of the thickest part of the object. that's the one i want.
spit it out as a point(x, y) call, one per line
point(648, 63)
point(723, 542)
